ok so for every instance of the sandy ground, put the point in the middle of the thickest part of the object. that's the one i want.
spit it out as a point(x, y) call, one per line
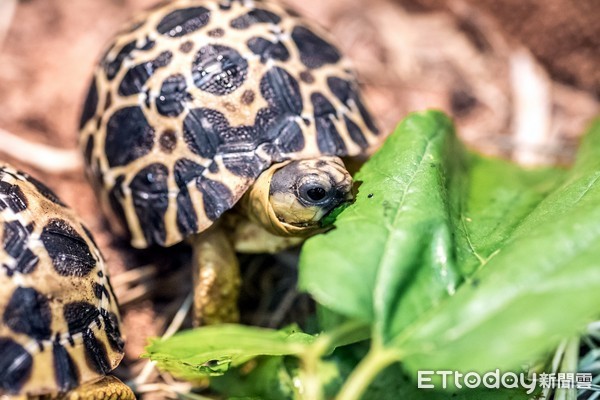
point(520, 77)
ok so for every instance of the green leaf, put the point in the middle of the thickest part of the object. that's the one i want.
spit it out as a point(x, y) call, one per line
point(212, 350)
point(541, 285)
point(269, 378)
point(498, 197)
point(391, 256)
point(287, 377)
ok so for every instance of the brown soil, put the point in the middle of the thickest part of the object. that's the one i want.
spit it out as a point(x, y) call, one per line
point(564, 35)
point(410, 55)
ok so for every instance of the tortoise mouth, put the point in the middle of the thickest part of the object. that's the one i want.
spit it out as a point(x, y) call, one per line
point(329, 218)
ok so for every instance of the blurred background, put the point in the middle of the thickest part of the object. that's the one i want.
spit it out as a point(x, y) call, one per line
point(521, 78)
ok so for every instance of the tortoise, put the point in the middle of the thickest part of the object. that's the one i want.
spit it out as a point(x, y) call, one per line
point(223, 124)
point(59, 326)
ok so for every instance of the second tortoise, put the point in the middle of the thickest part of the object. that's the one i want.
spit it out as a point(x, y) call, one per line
point(59, 321)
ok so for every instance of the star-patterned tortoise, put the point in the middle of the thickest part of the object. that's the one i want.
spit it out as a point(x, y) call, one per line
point(59, 326)
point(222, 123)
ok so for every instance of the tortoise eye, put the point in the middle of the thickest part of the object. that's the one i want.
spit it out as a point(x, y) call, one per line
point(315, 192)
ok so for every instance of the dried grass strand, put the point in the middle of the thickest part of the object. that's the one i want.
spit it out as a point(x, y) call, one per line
point(40, 156)
point(7, 12)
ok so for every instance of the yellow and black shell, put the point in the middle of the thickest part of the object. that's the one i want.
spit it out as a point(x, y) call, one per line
point(59, 323)
point(198, 97)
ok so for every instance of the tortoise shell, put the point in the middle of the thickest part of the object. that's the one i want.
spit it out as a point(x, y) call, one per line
point(59, 323)
point(196, 98)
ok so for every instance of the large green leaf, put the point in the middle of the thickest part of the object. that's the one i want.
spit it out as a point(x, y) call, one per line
point(391, 256)
point(541, 285)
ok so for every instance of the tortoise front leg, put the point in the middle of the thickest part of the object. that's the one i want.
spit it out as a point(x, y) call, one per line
point(107, 388)
point(216, 278)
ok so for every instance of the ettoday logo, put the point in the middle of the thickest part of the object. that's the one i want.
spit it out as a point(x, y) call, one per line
point(497, 379)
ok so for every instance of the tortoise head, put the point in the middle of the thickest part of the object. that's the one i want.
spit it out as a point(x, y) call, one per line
point(291, 198)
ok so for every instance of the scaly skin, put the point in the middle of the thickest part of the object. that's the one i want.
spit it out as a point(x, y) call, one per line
point(108, 388)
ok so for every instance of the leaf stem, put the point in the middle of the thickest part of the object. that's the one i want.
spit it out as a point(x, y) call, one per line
point(376, 360)
point(350, 332)
point(312, 386)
